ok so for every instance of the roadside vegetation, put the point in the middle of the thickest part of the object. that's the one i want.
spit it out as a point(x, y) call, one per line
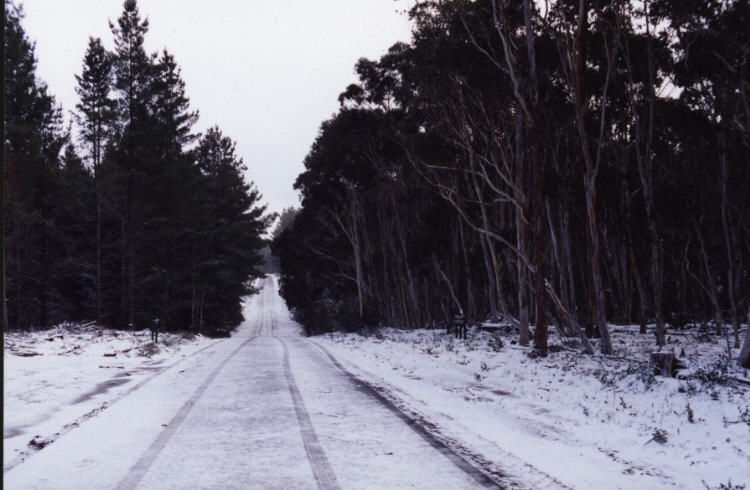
point(576, 164)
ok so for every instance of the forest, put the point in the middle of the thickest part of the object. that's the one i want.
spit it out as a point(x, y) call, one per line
point(131, 217)
point(562, 165)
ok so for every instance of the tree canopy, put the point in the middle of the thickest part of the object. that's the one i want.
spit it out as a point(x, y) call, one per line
point(146, 219)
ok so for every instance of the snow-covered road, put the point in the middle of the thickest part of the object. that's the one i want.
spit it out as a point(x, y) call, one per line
point(265, 408)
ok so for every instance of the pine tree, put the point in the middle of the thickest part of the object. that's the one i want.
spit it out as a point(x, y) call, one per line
point(232, 223)
point(33, 140)
point(74, 298)
point(168, 195)
point(170, 107)
point(96, 118)
point(133, 78)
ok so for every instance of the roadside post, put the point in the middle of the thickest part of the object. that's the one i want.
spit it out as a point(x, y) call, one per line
point(155, 330)
point(459, 326)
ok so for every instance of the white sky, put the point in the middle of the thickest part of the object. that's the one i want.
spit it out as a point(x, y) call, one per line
point(268, 72)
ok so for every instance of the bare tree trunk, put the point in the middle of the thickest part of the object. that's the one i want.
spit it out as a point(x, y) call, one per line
point(521, 239)
point(523, 304)
point(200, 317)
point(537, 205)
point(123, 275)
point(405, 257)
point(656, 256)
point(571, 298)
point(726, 225)
point(193, 292)
point(470, 305)
point(131, 271)
point(710, 288)
point(3, 246)
point(572, 322)
point(351, 230)
point(559, 267)
point(4, 306)
point(98, 197)
point(357, 260)
point(490, 278)
point(640, 289)
point(744, 357)
point(540, 327)
point(590, 174)
point(645, 162)
point(447, 283)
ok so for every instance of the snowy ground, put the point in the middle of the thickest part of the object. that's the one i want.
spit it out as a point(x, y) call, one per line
point(267, 408)
point(56, 379)
point(567, 420)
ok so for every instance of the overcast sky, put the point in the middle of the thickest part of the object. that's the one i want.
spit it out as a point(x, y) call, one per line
point(267, 72)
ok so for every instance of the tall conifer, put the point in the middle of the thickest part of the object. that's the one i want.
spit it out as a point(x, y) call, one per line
point(95, 118)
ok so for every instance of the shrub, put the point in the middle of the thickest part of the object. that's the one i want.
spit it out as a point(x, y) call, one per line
point(714, 374)
point(660, 436)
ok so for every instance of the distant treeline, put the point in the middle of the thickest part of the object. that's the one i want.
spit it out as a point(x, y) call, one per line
point(580, 165)
point(138, 219)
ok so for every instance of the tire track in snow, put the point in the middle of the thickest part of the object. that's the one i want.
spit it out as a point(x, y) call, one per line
point(421, 427)
point(141, 467)
point(324, 475)
point(24, 456)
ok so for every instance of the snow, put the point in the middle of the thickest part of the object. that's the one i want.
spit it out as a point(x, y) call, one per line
point(569, 419)
point(55, 379)
point(271, 408)
point(227, 416)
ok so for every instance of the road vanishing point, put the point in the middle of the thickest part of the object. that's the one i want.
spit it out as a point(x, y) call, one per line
point(266, 408)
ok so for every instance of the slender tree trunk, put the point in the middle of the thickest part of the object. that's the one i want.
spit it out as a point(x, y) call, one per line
point(711, 290)
point(200, 318)
point(193, 293)
point(595, 266)
point(534, 129)
point(470, 307)
point(646, 172)
point(540, 327)
point(521, 238)
point(640, 289)
point(625, 282)
point(357, 255)
point(98, 197)
point(726, 225)
point(123, 274)
point(572, 322)
point(523, 304)
point(4, 306)
point(590, 173)
point(449, 285)
point(555, 246)
point(131, 270)
point(417, 314)
point(571, 298)
point(3, 247)
point(490, 278)
point(744, 357)
point(43, 281)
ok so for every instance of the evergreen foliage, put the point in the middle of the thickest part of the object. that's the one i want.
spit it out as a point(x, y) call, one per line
point(148, 224)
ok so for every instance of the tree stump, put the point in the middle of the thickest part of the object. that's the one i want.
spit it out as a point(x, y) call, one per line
point(664, 363)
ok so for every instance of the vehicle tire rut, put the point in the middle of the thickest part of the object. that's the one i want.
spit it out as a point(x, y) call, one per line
point(321, 467)
point(426, 430)
point(139, 469)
